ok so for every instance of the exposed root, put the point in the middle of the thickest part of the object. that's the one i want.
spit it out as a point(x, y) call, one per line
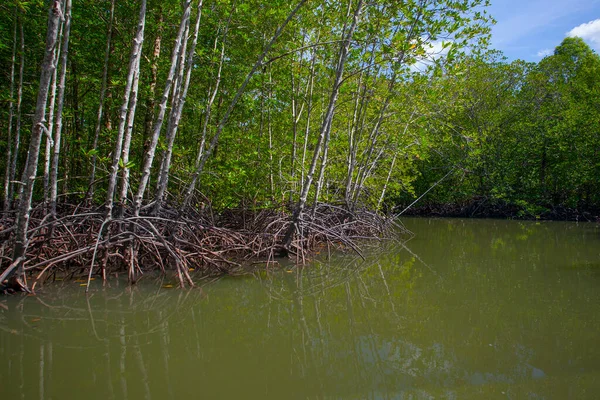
point(84, 243)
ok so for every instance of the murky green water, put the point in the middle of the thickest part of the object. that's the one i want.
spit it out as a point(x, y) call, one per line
point(467, 310)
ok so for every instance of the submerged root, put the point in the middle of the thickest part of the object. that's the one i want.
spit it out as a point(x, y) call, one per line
point(83, 243)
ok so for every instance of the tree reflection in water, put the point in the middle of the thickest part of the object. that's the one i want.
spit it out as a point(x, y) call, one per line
point(464, 310)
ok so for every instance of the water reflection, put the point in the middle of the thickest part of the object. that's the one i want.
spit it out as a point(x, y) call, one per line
point(466, 309)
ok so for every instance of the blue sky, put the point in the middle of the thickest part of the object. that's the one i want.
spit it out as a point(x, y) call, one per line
point(530, 29)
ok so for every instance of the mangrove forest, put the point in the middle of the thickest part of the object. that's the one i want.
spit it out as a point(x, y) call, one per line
point(213, 135)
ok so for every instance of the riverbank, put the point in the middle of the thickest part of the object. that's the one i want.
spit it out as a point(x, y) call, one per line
point(484, 208)
point(83, 243)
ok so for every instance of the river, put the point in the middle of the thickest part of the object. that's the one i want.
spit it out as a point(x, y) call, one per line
point(465, 309)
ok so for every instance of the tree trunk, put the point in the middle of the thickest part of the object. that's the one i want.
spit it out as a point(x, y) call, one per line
point(134, 62)
point(364, 169)
point(352, 143)
point(363, 99)
point(387, 181)
point(309, 109)
point(367, 165)
point(11, 109)
point(127, 142)
point(296, 113)
point(51, 108)
point(270, 132)
point(17, 141)
point(91, 184)
point(151, 101)
point(207, 116)
point(64, 55)
point(186, 66)
point(225, 119)
point(30, 170)
point(396, 152)
point(325, 128)
point(147, 167)
point(321, 179)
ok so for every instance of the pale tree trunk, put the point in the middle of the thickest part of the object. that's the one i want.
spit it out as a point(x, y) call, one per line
point(321, 179)
point(325, 128)
point(50, 119)
point(127, 142)
point(295, 121)
point(213, 143)
point(296, 114)
point(151, 101)
point(149, 158)
point(309, 109)
point(11, 109)
point(363, 101)
point(387, 181)
point(91, 183)
point(30, 170)
point(261, 127)
point(207, 117)
point(396, 153)
point(64, 55)
point(136, 52)
point(352, 145)
point(186, 66)
point(49, 142)
point(17, 141)
point(366, 173)
point(270, 132)
point(357, 125)
point(367, 163)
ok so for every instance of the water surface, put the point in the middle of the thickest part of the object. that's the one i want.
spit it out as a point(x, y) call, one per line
point(467, 309)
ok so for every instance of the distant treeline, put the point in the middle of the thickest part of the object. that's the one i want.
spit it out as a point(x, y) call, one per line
point(512, 139)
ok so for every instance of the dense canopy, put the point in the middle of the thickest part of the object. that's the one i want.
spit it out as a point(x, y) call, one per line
point(134, 107)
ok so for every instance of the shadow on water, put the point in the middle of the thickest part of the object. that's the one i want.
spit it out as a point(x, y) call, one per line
point(466, 309)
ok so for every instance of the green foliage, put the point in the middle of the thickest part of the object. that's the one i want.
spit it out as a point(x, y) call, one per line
point(422, 101)
point(520, 133)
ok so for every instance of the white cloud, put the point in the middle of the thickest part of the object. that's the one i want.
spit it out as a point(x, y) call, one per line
point(590, 32)
point(437, 49)
point(545, 53)
point(433, 51)
point(524, 27)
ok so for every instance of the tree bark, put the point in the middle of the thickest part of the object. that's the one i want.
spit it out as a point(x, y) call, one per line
point(309, 110)
point(213, 143)
point(325, 129)
point(91, 183)
point(321, 179)
point(151, 101)
point(148, 160)
point(17, 141)
point(30, 170)
point(51, 108)
point(11, 109)
point(270, 132)
point(186, 66)
point(64, 55)
point(127, 142)
point(296, 114)
point(207, 116)
point(136, 53)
